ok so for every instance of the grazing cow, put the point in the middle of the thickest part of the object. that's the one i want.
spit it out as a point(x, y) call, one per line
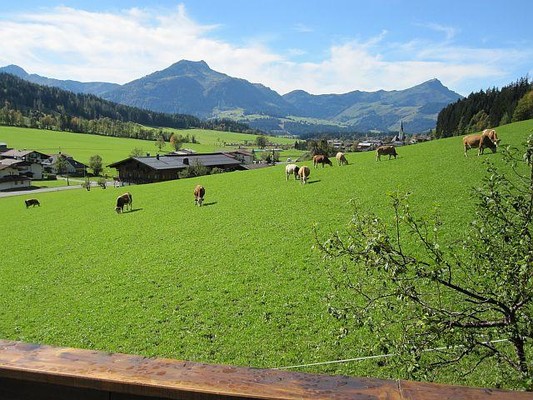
point(32, 202)
point(480, 142)
point(124, 200)
point(491, 133)
point(199, 193)
point(384, 151)
point(320, 159)
point(291, 169)
point(304, 173)
point(341, 159)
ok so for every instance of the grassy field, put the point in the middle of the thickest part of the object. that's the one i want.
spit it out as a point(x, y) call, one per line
point(82, 146)
point(233, 282)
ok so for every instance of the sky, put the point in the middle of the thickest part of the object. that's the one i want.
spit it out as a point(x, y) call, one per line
point(334, 46)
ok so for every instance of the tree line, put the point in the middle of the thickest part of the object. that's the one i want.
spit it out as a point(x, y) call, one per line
point(487, 109)
point(36, 106)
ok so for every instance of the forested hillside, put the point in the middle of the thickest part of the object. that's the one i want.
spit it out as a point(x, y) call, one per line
point(30, 105)
point(487, 109)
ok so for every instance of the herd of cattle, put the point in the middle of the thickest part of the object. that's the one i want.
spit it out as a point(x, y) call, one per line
point(302, 173)
point(487, 139)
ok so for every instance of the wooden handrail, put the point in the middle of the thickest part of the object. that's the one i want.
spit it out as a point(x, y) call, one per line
point(34, 371)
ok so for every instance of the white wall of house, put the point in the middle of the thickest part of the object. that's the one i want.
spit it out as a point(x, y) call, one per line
point(17, 184)
point(50, 165)
point(35, 168)
point(9, 179)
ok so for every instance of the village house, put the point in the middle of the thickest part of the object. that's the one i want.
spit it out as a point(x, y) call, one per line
point(72, 167)
point(31, 170)
point(26, 155)
point(370, 144)
point(29, 162)
point(163, 168)
point(245, 157)
point(10, 178)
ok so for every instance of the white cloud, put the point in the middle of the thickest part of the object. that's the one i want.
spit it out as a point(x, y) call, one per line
point(302, 28)
point(67, 43)
point(449, 31)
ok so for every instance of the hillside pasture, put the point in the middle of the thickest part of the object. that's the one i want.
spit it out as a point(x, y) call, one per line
point(233, 282)
point(111, 149)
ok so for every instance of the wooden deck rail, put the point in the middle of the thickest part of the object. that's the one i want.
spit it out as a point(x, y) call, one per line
point(31, 372)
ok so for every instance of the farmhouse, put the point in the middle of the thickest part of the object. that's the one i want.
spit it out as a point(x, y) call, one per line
point(32, 170)
point(71, 166)
point(28, 162)
point(368, 145)
point(26, 155)
point(10, 178)
point(245, 157)
point(163, 168)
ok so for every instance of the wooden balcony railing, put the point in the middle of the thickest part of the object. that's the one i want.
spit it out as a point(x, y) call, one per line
point(37, 372)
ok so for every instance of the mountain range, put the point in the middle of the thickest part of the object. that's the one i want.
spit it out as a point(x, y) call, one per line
point(189, 87)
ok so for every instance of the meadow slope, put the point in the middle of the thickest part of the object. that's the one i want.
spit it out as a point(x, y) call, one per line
point(111, 149)
point(233, 282)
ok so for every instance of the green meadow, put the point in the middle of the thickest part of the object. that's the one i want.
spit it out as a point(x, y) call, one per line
point(111, 149)
point(234, 282)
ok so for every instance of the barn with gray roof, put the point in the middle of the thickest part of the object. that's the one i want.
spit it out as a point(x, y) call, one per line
point(164, 168)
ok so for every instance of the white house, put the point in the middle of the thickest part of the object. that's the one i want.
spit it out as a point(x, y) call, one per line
point(26, 155)
point(72, 166)
point(11, 179)
point(368, 145)
point(32, 170)
point(29, 162)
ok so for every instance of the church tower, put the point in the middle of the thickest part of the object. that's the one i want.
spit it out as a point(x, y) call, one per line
point(401, 134)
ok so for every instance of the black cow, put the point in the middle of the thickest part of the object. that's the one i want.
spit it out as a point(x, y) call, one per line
point(32, 202)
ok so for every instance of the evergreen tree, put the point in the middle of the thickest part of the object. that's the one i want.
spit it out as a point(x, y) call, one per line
point(524, 108)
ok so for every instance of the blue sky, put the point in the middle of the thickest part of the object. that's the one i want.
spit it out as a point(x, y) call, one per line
point(322, 47)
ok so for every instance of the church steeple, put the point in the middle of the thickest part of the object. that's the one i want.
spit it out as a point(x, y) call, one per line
point(401, 134)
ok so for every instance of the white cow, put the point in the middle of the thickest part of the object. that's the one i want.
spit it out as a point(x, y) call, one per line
point(341, 158)
point(291, 169)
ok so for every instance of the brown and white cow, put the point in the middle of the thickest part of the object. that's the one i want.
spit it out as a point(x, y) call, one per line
point(321, 159)
point(32, 202)
point(199, 193)
point(124, 200)
point(304, 173)
point(386, 151)
point(491, 133)
point(291, 169)
point(341, 158)
point(481, 142)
